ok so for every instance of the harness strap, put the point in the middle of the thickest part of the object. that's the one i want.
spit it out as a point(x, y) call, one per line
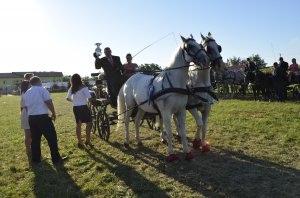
point(166, 91)
point(169, 80)
point(204, 89)
point(187, 107)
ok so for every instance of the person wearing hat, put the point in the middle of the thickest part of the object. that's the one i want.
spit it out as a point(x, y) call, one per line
point(284, 65)
point(27, 76)
point(250, 66)
point(279, 81)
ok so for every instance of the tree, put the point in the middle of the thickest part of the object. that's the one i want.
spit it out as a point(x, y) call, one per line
point(150, 67)
point(234, 61)
point(66, 78)
point(259, 62)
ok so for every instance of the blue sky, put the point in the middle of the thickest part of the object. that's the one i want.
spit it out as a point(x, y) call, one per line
point(59, 35)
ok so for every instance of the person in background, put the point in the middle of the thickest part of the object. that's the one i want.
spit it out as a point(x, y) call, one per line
point(79, 95)
point(38, 102)
point(27, 76)
point(293, 70)
point(279, 81)
point(284, 65)
point(25, 85)
point(113, 70)
point(129, 67)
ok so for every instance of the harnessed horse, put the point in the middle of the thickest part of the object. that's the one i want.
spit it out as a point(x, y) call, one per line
point(165, 94)
point(202, 96)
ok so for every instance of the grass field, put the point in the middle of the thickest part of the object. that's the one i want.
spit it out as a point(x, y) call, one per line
point(255, 153)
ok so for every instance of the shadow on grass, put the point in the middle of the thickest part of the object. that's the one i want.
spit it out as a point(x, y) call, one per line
point(224, 173)
point(52, 181)
point(141, 186)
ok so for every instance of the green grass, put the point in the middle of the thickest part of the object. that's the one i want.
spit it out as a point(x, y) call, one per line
point(255, 153)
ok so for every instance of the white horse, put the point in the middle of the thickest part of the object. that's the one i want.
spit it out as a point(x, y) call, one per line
point(203, 97)
point(169, 96)
point(231, 82)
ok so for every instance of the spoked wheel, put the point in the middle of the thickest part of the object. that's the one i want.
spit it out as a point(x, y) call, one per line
point(296, 92)
point(94, 119)
point(93, 111)
point(150, 120)
point(103, 125)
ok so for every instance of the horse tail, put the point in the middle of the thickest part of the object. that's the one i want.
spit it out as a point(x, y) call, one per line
point(121, 107)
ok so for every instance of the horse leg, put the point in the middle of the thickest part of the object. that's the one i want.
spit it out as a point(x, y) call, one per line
point(178, 135)
point(166, 116)
point(157, 125)
point(129, 108)
point(205, 115)
point(126, 121)
point(197, 140)
point(138, 117)
point(181, 115)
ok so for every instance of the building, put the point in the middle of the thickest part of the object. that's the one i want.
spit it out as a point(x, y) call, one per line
point(11, 81)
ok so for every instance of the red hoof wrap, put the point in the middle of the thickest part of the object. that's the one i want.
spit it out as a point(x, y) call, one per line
point(196, 144)
point(172, 158)
point(206, 148)
point(189, 156)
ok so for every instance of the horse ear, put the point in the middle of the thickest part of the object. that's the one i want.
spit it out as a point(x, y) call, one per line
point(209, 34)
point(182, 38)
point(191, 36)
point(202, 36)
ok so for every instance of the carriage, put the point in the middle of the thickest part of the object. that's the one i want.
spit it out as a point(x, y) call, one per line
point(167, 94)
point(103, 116)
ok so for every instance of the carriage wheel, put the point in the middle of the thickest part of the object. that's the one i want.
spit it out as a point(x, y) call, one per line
point(103, 125)
point(296, 92)
point(151, 122)
point(93, 115)
point(94, 119)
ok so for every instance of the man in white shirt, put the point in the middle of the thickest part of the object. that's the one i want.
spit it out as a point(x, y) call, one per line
point(37, 102)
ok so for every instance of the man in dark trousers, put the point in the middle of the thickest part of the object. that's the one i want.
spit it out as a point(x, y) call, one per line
point(279, 81)
point(113, 70)
point(37, 102)
point(285, 66)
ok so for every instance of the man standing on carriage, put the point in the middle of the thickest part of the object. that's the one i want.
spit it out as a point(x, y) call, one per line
point(113, 70)
point(250, 66)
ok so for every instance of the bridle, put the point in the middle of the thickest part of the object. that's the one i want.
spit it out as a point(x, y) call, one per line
point(193, 55)
point(213, 61)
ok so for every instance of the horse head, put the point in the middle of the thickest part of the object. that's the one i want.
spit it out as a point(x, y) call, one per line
point(213, 51)
point(194, 52)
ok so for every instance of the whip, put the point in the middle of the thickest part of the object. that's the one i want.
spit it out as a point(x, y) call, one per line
point(153, 43)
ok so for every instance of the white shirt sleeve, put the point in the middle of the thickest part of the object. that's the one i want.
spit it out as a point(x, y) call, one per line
point(69, 96)
point(87, 92)
point(45, 95)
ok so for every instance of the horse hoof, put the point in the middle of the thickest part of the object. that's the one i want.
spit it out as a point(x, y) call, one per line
point(196, 143)
point(126, 145)
point(164, 141)
point(206, 148)
point(172, 157)
point(140, 144)
point(189, 156)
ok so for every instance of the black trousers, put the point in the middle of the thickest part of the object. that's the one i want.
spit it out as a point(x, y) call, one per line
point(42, 125)
point(280, 91)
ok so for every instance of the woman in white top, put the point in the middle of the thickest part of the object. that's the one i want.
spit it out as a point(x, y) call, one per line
point(25, 85)
point(79, 95)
